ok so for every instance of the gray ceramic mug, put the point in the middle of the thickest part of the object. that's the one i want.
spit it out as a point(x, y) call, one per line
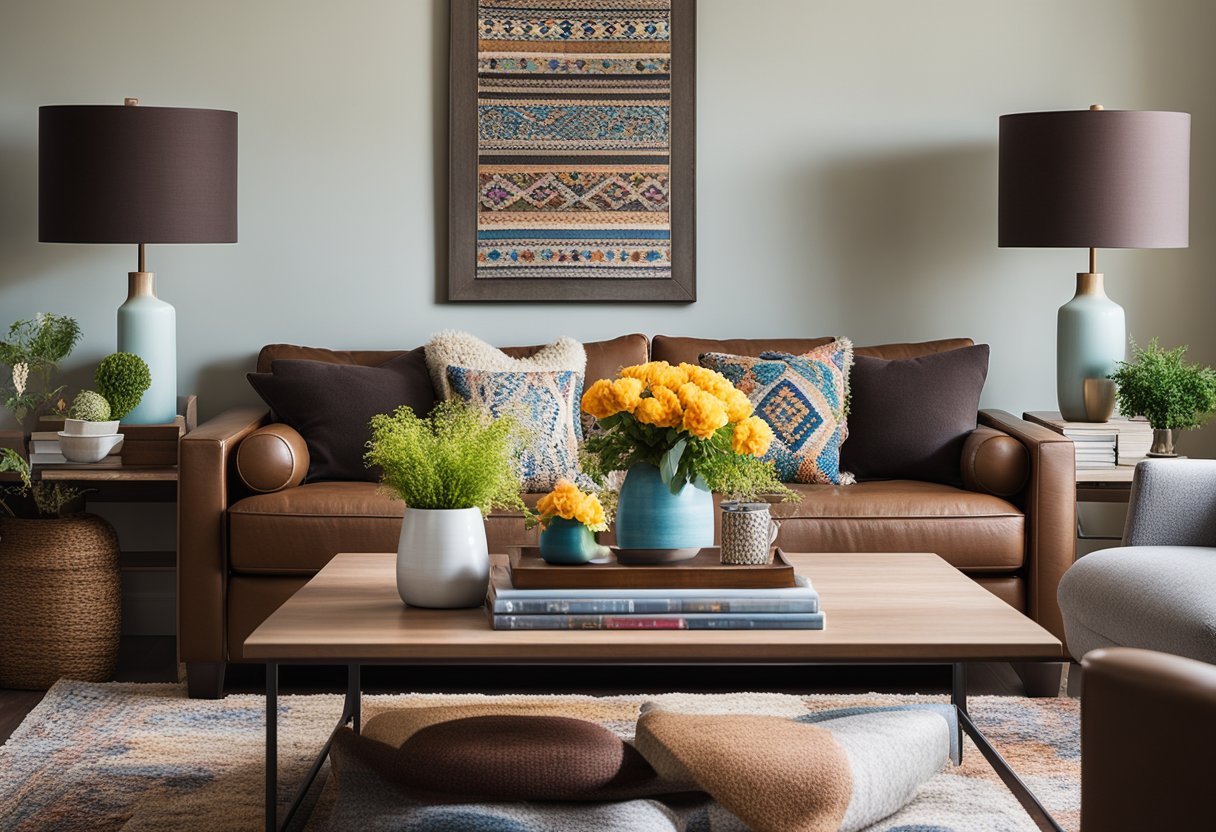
point(748, 532)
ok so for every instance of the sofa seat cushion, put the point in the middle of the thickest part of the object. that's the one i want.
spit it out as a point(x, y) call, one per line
point(1154, 597)
point(971, 531)
point(296, 531)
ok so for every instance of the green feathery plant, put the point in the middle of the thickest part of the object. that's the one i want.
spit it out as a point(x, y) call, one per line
point(458, 457)
point(709, 464)
point(123, 378)
point(1164, 388)
point(31, 351)
point(50, 499)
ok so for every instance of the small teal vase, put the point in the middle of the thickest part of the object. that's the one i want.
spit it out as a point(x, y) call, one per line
point(649, 516)
point(567, 542)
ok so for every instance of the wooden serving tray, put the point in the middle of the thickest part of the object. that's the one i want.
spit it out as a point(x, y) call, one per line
point(705, 571)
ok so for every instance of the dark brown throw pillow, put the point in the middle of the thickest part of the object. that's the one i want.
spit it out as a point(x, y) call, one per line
point(331, 404)
point(908, 419)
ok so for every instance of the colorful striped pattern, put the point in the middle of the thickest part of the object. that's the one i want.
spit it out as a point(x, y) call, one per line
point(574, 137)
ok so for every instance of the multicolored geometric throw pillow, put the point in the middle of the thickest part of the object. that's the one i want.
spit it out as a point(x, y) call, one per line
point(802, 397)
point(545, 402)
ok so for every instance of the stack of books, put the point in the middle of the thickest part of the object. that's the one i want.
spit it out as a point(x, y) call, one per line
point(786, 608)
point(45, 450)
point(1101, 445)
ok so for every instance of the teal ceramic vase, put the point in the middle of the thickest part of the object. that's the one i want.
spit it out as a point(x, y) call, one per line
point(567, 542)
point(649, 516)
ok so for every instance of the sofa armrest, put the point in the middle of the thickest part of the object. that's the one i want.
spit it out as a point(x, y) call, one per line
point(1173, 503)
point(1050, 502)
point(205, 457)
point(1147, 722)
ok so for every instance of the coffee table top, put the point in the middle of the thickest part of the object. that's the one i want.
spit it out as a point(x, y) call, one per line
point(881, 607)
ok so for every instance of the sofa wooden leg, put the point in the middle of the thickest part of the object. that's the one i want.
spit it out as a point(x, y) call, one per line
point(1041, 678)
point(205, 680)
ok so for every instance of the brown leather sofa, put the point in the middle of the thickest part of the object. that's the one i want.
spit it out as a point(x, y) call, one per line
point(242, 553)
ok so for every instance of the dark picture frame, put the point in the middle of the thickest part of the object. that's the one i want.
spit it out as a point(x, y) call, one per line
point(463, 283)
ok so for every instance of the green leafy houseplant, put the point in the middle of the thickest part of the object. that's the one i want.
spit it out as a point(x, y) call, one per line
point(122, 378)
point(1162, 386)
point(31, 351)
point(34, 500)
point(457, 457)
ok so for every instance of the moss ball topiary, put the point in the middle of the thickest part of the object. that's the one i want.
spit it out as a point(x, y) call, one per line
point(90, 406)
point(122, 378)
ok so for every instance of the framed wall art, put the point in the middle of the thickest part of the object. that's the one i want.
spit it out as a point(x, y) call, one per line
point(572, 150)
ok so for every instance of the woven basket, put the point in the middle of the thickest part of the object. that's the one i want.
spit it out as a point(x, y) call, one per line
point(60, 601)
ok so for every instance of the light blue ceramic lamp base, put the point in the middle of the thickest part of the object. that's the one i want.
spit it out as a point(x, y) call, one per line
point(1091, 338)
point(147, 326)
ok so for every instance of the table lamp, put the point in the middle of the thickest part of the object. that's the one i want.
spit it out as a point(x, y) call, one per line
point(130, 174)
point(1093, 179)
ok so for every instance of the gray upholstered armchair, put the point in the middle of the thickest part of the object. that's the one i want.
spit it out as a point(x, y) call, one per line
point(1158, 590)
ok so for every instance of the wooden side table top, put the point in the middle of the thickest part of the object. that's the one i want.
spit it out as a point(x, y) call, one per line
point(880, 608)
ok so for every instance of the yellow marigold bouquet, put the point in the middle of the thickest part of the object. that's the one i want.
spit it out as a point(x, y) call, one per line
point(570, 503)
point(689, 421)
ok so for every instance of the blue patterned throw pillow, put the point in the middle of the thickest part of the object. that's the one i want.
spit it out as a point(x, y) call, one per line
point(546, 403)
point(802, 398)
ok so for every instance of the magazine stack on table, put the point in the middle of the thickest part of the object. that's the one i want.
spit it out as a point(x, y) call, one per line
point(785, 608)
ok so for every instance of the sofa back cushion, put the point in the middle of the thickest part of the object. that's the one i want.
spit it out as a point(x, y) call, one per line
point(604, 358)
point(674, 349)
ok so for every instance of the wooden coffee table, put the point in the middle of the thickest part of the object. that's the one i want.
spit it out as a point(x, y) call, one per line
point(883, 608)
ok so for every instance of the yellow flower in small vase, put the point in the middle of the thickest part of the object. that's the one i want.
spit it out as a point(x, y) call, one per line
point(569, 520)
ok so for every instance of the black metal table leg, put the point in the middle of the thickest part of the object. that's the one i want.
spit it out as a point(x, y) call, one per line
point(351, 711)
point(354, 695)
point(958, 698)
point(272, 746)
point(1009, 777)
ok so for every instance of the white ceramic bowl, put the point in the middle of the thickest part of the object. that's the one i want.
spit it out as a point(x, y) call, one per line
point(79, 427)
point(88, 448)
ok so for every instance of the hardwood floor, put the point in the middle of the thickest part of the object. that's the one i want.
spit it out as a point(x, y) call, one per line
point(153, 659)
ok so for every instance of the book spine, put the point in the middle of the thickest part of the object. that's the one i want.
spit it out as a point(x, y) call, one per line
point(809, 621)
point(642, 606)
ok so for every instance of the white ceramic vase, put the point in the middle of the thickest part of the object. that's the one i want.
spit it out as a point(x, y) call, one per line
point(442, 558)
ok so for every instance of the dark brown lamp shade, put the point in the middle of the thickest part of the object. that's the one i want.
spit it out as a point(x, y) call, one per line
point(117, 174)
point(1095, 179)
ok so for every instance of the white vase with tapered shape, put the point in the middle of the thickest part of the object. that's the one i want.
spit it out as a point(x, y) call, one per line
point(443, 560)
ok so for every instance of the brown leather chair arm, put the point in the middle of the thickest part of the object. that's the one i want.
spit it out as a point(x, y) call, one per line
point(1147, 724)
point(206, 454)
point(1050, 502)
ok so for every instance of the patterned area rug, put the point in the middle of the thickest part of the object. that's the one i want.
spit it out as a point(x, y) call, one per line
point(144, 757)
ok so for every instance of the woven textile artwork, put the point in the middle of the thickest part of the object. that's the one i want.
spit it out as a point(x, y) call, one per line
point(544, 402)
point(802, 397)
point(573, 139)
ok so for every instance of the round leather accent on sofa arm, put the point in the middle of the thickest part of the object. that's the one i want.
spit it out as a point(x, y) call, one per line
point(994, 463)
point(272, 458)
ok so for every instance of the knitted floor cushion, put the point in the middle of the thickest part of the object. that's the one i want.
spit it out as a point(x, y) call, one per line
point(701, 773)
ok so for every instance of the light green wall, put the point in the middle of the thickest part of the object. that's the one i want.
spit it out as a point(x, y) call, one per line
point(846, 176)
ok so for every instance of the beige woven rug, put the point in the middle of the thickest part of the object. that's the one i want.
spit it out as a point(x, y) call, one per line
point(133, 757)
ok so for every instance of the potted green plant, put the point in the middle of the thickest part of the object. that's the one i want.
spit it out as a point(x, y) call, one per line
point(1170, 392)
point(90, 432)
point(60, 595)
point(32, 351)
point(450, 469)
